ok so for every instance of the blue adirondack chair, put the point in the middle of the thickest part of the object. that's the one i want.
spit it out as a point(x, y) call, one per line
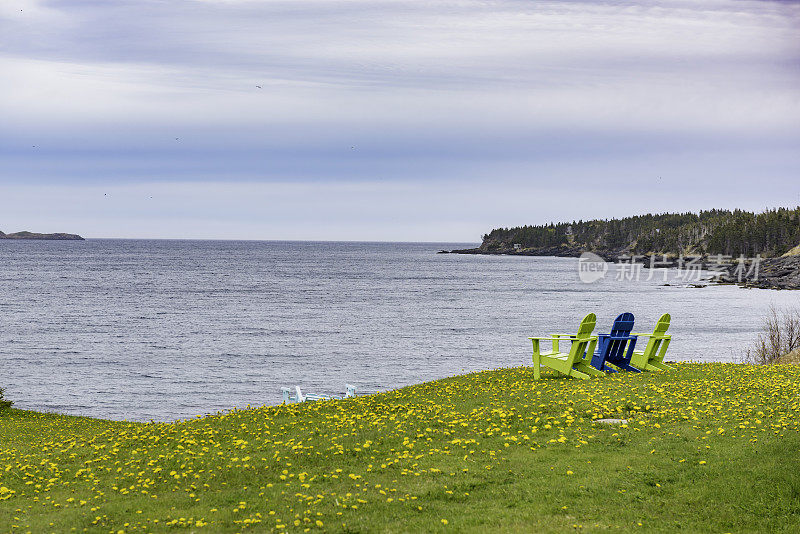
point(616, 348)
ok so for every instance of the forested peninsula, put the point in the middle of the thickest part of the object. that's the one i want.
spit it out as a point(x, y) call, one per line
point(773, 235)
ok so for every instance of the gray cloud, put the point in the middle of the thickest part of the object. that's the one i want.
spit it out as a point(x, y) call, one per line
point(458, 92)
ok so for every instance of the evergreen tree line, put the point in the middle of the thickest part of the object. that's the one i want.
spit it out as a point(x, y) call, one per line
point(713, 232)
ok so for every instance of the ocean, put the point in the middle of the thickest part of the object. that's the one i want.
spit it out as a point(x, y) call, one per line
point(164, 330)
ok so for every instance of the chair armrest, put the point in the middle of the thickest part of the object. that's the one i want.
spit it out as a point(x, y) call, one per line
point(665, 336)
point(555, 337)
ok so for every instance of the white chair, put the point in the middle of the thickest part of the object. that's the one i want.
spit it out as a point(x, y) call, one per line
point(300, 397)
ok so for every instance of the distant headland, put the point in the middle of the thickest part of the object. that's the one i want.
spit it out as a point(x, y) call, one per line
point(773, 236)
point(35, 235)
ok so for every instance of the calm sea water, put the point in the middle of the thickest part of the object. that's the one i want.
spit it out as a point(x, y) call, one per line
point(139, 330)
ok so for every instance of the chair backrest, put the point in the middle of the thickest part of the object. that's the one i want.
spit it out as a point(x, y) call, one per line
point(615, 346)
point(623, 325)
point(587, 326)
point(582, 339)
point(658, 342)
point(662, 325)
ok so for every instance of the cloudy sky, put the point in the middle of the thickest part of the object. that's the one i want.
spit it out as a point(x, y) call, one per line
point(389, 119)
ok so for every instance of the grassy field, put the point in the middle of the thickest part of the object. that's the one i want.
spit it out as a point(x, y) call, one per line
point(708, 448)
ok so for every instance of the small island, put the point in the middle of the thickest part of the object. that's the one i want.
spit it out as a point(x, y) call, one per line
point(35, 235)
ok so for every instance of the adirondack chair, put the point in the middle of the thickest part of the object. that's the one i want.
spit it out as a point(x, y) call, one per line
point(616, 348)
point(570, 363)
point(299, 396)
point(652, 357)
point(288, 397)
point(310, 396)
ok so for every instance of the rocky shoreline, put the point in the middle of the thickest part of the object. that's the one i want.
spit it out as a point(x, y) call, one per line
point(764, 273)
point(773, 273)
point(34, 235)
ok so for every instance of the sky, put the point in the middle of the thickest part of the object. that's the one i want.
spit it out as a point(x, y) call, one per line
point(390, 120)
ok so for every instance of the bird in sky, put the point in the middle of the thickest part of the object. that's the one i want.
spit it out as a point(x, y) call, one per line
point(258, 86)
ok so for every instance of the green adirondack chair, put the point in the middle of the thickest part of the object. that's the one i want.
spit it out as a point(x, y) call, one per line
point(652, 357)
point(572, 363)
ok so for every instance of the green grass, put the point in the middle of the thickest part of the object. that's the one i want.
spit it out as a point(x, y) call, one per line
point(709, 448)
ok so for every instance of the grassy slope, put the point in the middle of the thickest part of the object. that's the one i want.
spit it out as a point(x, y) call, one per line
point(709, 448)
